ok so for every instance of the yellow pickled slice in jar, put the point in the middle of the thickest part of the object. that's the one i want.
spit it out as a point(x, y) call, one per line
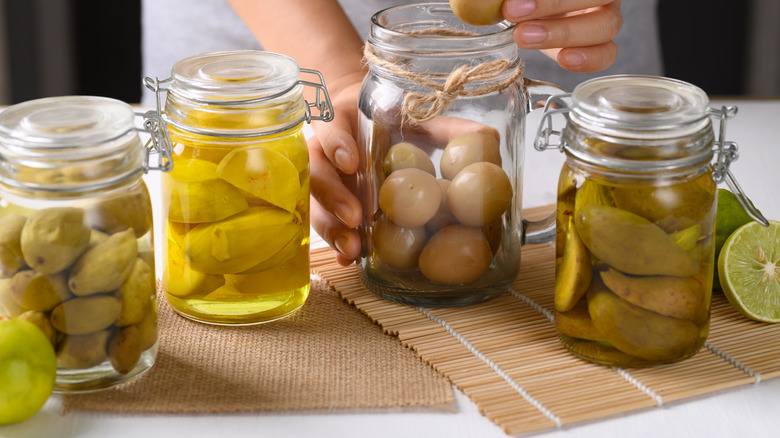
point(240, 242)
point(202, 201)
point(180, 280)
point(293, 147)
point(264, 173)
point(574, 274)
point(193, 170)
point(284, 277)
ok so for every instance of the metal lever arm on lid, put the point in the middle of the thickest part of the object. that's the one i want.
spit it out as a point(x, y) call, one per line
point(725, 153)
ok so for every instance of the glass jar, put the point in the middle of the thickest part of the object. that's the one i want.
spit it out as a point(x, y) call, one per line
point(636, 209)
point(76, 246)
point(441, 124)
point(236, 204)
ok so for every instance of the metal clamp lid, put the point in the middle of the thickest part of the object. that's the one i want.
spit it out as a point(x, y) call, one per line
point(322, 104)
point(159, 142)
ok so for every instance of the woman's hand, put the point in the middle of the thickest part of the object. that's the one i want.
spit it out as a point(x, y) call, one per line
point(578, 33)
point(335, 210)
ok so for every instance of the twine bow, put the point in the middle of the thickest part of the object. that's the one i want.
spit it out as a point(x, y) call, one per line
point(422, 107)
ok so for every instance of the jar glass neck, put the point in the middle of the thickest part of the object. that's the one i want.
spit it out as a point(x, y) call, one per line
point(428, 38)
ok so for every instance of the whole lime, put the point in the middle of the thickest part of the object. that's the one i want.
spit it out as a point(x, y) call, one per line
point(28, 368)
point(730, 216)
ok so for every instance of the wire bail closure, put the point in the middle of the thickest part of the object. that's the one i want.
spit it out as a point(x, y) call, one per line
point(322, 104)
point(159, 142)
point(725, 152)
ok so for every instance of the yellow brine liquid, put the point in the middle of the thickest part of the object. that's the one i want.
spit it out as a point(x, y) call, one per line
point(634, 266)
point(237, 227)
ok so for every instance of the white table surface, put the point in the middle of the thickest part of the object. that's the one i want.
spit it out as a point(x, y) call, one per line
point(750, 411)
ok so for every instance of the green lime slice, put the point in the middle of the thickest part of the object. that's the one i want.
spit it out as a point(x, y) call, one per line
point(749, 270)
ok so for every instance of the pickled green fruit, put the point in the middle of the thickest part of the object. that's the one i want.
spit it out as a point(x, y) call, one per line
point(136, 294)
point(687, 238)
point(106, 266)
point(36, 291)
point(41, 320)
point(405, 155)
point(286, 253)
point(8, 304)
point(129, 210)
point(147, 328)
point(53, 238)
point(574, 274)
point(479, 194)
point(11, 257)
point(478, 13)
point(240, 242)
point(80, 316)
point(77, 352)
point(576, 322)
point(680, 297)
point(630, 243)
point(124, 349)
point(672, 207)
point(201, 201)
point(180, 280)
point(95, 237)
point(470, 148)
point(398, 246)
point(639, 332)
point(264, 173)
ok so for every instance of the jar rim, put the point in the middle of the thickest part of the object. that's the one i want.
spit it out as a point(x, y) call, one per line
point(404, 34)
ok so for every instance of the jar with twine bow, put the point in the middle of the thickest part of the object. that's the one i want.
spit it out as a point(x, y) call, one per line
point(441, 123)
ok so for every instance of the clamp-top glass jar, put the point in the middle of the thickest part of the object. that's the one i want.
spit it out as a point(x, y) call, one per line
point(76, 245)
point(635, 218)
point(236, 204)
point(441, 124)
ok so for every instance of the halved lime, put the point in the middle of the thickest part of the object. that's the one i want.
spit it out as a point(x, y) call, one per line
point(749, 270)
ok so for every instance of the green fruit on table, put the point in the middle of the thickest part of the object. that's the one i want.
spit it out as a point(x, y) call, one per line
point(730, 216)
point(28, 368)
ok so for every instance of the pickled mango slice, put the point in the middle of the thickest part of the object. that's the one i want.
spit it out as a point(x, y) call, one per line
point(264, 173)
point(293, 147)
point(201, 201)
point(591, 193)
point(286, 253)
point(180, 280)
point(574, 274)
point(680, 297)
point(11, 257)
point(285, 277)
point(639, 332)
point(193, 170)
point(240, 242)
point(630, 243)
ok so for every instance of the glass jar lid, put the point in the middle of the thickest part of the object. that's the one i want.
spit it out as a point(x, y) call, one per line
point(64, 122)
point(632, 106)
point(219, 77)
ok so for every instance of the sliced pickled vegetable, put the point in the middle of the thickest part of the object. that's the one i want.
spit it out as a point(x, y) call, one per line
point(574, 274)
point(680, 297)
point(203, 201)
point(264, 173)
point(630, 243)
point(240, 242)
point(180, 280)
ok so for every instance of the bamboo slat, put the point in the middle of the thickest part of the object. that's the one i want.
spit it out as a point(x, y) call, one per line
point(505, 356)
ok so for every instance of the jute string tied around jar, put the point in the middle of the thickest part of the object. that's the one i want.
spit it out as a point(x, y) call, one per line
point(422, 107)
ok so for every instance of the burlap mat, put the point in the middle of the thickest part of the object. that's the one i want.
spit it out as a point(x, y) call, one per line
point(325, 356)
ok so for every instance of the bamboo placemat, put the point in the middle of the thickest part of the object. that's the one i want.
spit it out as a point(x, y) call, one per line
point(506, 357)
